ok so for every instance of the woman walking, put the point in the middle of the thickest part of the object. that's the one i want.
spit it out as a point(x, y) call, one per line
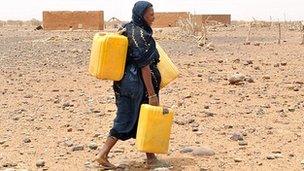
point(140, 83)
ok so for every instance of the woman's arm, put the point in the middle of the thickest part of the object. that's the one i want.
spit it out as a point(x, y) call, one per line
point(146, 74)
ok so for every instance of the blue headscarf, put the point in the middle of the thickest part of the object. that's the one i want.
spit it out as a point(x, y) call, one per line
point(142, 47)
point(138, 15)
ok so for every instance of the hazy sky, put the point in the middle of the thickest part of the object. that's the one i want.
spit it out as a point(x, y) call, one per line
point(240, 9)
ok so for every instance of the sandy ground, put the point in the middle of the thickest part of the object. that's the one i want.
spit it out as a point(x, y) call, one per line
point(53, 110)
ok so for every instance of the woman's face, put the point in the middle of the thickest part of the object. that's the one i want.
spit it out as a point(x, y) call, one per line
point(149, 16)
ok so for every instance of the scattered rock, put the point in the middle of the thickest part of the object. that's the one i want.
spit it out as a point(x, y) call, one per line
point(257, 68)
point(237, 136)
point(209, 114)
point(78, 148)
point(210, 47)
point(270, 157)
point(2, 142)
point(283, 63)
point(257, 44)
point(93, 146)
point(291, 109)
point(68, 143)
point(27, 140)
point(194, 129)
point(248, 62)
point(184, 121)
point(243, 143)
point(266, 77)
point(236, 79)
point(237, 160)
point(186, 150)
point(278, 155)
point(249, 79)
point(40, 163)
point(202, 151)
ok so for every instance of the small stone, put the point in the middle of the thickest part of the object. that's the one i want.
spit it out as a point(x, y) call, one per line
point(96, 111)
point(270, 157)
point(203, 151)
point(257, 68)
point(2, 142)
point(247, 43)
point(237, 160)
point(276, 65)
point(257, 44)
point(283, 63)
point(291, 109)
point(67, 104)
point(186, 150)
point(70, 129)
point(68, 143)
point(249, 80)
point(236, 79)
point(40, 163)
point(237, 136)
point(296, 88)
point(248, 62)
point(266, 77)
point(194, 129)
point(302, 162)
point(198, 133)
point(78, 148)
point(97, 135)
point(209, 114)
point(210, 47)
point(280, 111)
point(93, 146)
point(243, 143)
point(278, 155)
point(26, 140)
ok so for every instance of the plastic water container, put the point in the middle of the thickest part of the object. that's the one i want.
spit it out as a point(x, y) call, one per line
point(167, 69)
point(154, 128)
point(108, 56)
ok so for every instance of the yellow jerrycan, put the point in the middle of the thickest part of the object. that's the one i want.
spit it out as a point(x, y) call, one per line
point(154, 128)
point(167, 69)
point(108, 56)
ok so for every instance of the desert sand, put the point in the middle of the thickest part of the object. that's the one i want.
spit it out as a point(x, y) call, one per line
point(237, 106)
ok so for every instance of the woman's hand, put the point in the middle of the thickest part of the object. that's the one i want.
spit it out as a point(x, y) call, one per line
point(154, 101)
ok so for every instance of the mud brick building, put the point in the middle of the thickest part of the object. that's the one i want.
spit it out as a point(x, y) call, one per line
point(170, 19)
point(64, 20)
point(221, 18)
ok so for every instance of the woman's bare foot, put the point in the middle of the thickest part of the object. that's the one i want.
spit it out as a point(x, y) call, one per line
point(102, 157)
point(153, 162)
point(104, 162)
